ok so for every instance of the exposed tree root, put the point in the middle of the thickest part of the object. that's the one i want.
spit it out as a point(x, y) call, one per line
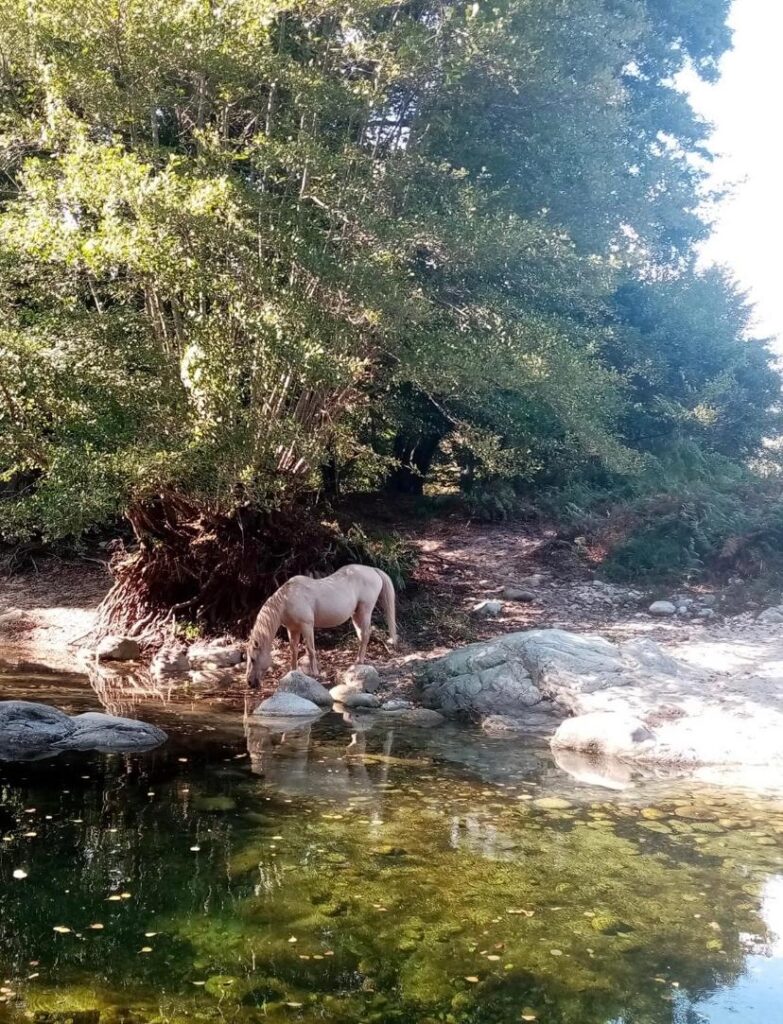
point(194, 564)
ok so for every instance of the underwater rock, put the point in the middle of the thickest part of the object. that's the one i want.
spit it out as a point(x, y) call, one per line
point(416, 716)
point(215, 804)
point(287, 705)
point(356, 699)
point(305, 686)
point(117, 648)
point(606, 772)
point(502, 725)
point(395, 704)
point(29, 730)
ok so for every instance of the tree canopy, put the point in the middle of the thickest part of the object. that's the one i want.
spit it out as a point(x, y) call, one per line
point(244, 241)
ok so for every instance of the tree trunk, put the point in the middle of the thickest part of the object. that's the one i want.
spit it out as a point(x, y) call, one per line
point(414, 457)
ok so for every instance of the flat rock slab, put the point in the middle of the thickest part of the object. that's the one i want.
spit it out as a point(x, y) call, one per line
point(630, 700)
point(30, 731)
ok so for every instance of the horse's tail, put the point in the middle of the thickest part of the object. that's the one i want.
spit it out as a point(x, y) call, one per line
point(388, 603)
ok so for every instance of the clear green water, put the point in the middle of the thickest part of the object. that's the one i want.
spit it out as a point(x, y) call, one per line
point(414, 877)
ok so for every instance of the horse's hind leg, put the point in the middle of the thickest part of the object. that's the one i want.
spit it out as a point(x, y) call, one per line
point(362, 618)
point(309, 639)
point(294, 637)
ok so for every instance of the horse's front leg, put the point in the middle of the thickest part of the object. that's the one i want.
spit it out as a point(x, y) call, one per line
point(294, 636)
point(308, 634)
point(362, 619)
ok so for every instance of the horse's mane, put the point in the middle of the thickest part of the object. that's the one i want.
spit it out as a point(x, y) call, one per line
point(268, 622)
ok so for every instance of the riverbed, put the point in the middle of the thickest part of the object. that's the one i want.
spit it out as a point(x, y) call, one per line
point(354, 872)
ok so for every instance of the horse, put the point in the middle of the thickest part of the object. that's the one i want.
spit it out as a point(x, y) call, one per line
point(303, 604)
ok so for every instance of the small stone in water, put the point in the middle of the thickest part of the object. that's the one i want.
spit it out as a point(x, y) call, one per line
point(61, 929)
point(19, 873)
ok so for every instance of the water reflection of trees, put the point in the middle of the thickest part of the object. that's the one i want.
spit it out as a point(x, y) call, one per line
point(354, 842)
point(121, 690)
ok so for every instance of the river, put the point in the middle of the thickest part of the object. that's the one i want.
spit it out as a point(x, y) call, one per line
point(349, 874)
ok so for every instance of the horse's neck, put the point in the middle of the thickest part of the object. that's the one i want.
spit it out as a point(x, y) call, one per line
point(268, 621)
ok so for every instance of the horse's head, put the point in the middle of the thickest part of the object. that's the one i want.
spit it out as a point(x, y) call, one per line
point(258, 664)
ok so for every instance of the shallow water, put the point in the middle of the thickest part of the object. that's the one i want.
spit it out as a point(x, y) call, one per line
point(334, 874)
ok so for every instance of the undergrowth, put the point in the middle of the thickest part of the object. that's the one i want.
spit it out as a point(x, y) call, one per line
point(691, 516)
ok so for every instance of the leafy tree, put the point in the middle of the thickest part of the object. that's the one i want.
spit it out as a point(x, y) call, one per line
point(243, 243)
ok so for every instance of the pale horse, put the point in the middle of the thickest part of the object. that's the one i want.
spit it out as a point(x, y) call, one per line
point(303, 605)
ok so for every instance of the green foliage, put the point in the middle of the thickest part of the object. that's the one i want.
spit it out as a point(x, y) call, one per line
point(389, 552)
point(240, 245)
point(689, 515)
point(492, 502)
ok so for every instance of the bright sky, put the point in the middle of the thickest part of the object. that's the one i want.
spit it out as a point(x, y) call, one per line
point(745, 108)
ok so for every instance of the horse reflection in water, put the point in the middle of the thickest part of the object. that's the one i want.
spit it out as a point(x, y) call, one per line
point(283, 754)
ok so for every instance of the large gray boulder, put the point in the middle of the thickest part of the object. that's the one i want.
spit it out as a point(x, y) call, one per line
point(305, 686)
point(29, 730)
point(110, 733)
point(26, 727)
point(512, 673)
